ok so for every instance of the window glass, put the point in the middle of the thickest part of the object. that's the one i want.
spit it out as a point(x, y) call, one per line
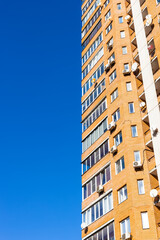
point(100, 235)
point(129, 86)
point(131, 107)
point(122, 194)
point(141, 186)
point(124, 50)
point(119, 6)
point(105, 234)
point(120, 19)
point(126, 66)
point(134, 131)
point(120, 165)
point(145, 221)
point(137, 156)
point(111, 231)
point(125, 226)
point(122, 34)
point(93, 214)
point(101, 208)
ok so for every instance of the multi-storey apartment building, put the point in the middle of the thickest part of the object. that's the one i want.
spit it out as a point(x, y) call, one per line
point(120, 119)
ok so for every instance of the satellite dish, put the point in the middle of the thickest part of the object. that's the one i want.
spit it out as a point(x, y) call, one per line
point(153, 193)
point(134, 67)
point(142, 104)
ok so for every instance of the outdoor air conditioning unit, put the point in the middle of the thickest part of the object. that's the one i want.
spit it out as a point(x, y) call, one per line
point(134, 68)
point(100, 189)
point(148, 20)
point(128, 18)
point(110, 46)
point(137, 164)
point(126, 236)
point(112, 125)
point(83, 225)
point(126, 72)
point(107, 67)
point(113, 149)
point(112, 61)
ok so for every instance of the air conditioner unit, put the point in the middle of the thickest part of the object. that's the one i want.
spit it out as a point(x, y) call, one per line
point(148, 20)
point(83, 225)
point(112, 61)
point(112, 125)
point(100, 189)
point(113, 149)
point(137, 164)
point(134, 67)
point(110, 46)
point(126, 72)
point(128, 18)
point(107, 67)
point(126, 236)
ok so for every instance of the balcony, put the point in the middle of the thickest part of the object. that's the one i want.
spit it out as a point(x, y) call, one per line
point(149, 144)
point(134, 42)
point(153, 172)
point(139, 76)
point(141, 2)
point(146, 119)
point(157, 85)
point(155, 65)
point(136, 58)
point(142, 97)
point(131, 26)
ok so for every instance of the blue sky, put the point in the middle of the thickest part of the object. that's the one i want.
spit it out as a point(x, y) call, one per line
point(40, 130)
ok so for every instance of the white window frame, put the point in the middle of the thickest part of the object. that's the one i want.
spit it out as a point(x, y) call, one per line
point(114, 95)
point(134, 131)
point(141, 189)
point(145, 220)
point(112, 76)
point(124, 50)
point(122, 34)
point(137, 153)
point(121, 194)
point(126, 221)
point(120, 161)
point(129, 86)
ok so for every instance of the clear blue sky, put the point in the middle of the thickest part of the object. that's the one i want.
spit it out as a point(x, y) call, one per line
point(40, 114)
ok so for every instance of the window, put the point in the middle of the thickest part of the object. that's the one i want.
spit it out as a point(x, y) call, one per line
point(119, 6)
point(91, 35)
point(100, 179)
point(131, 107)
point(118, 139)
point(111, 58)
point(92, 49)
point(93, 96)
point(122, 34)
point(87, 16)
point(129, 86)
point(120, 19)
point(157, 1)
point(94, 135)
point(122, 194)
point(125, 226)
point(109, 28)
point(112, 76)
point(86, 6)
point(120, 165)
point(91, 22)
point(110, 42)
point(96, 156)
point(114, 95)
point(116, 115)
point(145, 221)
point(137, 156)
point(126, 66)
point(96, 75)
point(92, 63)
point(134, 131)
point(108, 14)
point(106, 3)
point(107, 232)
point(98, 210)
point(124, 50)
point(94, 115)
point(140, 186)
